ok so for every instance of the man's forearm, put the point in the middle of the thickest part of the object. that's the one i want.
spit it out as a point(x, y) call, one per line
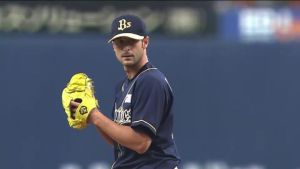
point(123, 135)
point(106, 137)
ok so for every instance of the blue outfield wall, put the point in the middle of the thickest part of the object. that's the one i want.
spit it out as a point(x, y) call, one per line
point(237, 105)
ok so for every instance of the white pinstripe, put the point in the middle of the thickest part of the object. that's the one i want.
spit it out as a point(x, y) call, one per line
point(146, 123)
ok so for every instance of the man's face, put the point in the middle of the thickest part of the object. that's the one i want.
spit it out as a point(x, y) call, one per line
point(128, 51)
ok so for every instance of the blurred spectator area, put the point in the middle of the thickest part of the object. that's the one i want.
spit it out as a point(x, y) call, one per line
point(229, 20)
point(264, 21)
point(170, 18)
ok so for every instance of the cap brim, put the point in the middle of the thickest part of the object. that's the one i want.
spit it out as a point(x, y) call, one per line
point(129, 35)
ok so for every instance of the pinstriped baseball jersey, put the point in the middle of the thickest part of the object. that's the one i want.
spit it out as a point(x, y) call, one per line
point(145, 103)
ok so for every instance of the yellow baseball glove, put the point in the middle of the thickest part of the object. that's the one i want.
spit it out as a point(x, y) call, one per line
point(80, 89)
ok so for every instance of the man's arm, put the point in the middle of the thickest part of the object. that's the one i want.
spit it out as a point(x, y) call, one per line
point(124, 135)
point(106, 137)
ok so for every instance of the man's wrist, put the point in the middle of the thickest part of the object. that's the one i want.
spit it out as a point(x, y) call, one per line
point(93, 115)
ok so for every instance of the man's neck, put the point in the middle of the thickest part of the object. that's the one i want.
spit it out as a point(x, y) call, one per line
point(131, 72)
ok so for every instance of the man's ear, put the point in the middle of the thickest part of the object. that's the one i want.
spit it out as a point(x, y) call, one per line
point(145, 42)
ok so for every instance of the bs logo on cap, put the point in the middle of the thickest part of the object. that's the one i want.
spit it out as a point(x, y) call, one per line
point(124, 24)
point(130, 26)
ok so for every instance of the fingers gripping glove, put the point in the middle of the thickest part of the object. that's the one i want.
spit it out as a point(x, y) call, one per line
point(79, 89)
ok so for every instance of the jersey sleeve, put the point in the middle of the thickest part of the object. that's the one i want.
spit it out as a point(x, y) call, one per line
point(149, 101)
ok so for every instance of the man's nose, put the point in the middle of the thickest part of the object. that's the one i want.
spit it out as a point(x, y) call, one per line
point(126, 47)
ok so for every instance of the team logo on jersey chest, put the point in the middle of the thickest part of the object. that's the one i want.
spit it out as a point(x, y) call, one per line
point(122, 116)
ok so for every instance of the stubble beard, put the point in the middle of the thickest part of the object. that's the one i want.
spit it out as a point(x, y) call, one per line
point(131, 62)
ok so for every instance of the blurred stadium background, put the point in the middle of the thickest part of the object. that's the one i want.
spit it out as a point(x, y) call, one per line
point(233, 65)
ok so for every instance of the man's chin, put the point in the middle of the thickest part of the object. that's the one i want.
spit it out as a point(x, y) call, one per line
point(128, 63)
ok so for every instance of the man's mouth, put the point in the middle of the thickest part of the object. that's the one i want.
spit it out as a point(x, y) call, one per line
point(127, 56)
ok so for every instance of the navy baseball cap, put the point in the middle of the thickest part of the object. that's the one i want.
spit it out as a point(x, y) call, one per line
point(128, 26)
